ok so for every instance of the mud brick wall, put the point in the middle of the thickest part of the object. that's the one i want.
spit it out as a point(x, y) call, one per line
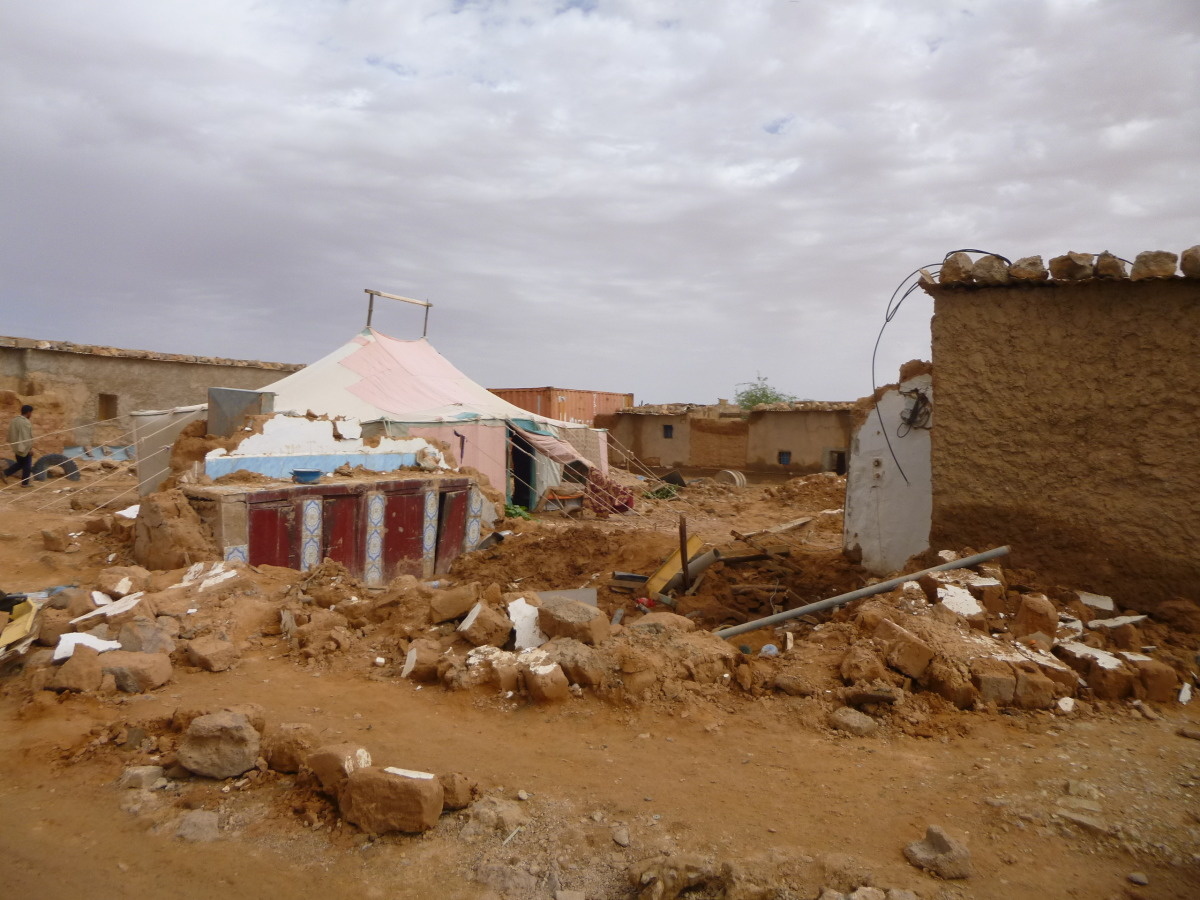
point(719, 443)
point(1068, 426)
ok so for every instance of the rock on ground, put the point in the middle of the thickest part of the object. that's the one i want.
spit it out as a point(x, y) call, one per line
point(940, 854)
point(198, 826)
point(136, 673)
point(211, 653)
point(334, 763)
point(845, 718)
point(219, 745)
point(286, 746)
point(382, 800)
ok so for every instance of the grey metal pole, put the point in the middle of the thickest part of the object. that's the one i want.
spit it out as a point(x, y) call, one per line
point(820, 605)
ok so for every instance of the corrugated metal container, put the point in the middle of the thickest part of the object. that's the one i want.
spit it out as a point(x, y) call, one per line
point(565, 404)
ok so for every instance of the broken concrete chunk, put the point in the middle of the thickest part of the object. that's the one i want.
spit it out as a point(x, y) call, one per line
point(81, 673)
point(857, 723)
point(458, 791)
point(219, 745)
point(905, 651)
point(1189, 262)
point(334, 763)
point(1028, 268)
point(1109, 266)
point(211, 653)
point(1072, 267)
point(136, 673)
point(1153, 264)
point(862, 664)
point(956, 269)
point(286, 747)
point(120, 581)
point(1033, 690)
point(1158, 680)
point(664, 621)
point(485, 624)
point(941, 854)
point(546, 682)
point(562, 617)
point(961, 601)
point(452, 604)
point(990, 269)
point(1035, 615)
point(994, 679)
point(145, 636)
point(384, 800)
point(421, 663)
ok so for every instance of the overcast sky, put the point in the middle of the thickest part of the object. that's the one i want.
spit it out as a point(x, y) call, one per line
point(664, 197)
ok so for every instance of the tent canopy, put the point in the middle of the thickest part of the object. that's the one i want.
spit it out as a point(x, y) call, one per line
point(374, 376)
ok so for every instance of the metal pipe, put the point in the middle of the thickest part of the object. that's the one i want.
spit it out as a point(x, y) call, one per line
point(821, 605)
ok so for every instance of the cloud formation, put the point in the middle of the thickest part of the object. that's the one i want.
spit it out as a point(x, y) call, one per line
point(658, 196)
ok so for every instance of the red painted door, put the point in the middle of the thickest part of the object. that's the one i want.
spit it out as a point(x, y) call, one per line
point(273, 535)
point(452, 528)
point(403, 549)
point(341, 532)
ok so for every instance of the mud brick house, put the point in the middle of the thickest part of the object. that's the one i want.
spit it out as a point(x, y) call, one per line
point(90, 390)
point(785, 438)
point(564, 404)
point(1068, 419)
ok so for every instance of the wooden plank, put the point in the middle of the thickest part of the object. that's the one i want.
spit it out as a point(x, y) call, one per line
point(780, 529)
point(671, 567)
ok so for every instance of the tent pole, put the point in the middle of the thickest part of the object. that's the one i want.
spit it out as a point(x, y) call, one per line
point(425, 327)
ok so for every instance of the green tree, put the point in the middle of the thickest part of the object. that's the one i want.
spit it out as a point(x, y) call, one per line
point(753, 393)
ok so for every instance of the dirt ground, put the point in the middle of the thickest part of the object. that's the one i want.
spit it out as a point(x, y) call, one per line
point(744, 781)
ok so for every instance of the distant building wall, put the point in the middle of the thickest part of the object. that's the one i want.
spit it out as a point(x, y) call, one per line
point(565, 404)
point(75, 386)
point(808, 436)
point(645, 439)
point(718, 443)
point(810, 440)
point(1067, 428)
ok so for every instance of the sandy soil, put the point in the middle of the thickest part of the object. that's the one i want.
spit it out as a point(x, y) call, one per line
point(753, 780)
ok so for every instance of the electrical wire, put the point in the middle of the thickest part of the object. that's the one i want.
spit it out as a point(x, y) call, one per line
point(893, 308)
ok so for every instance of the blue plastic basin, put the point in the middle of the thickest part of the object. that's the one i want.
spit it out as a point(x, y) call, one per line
point(306, 476)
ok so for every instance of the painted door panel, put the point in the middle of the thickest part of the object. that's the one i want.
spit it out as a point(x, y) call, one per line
point(341, 532)
point(403, 547)
point(452, 526)
point(273, 538)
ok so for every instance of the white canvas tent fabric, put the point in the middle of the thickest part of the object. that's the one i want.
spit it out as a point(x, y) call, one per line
point(376, 377)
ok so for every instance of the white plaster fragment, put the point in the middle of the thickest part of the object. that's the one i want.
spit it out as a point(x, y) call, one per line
point(1115, 623)
point(68, 642)
point(129, 512)
point(1130, 656)
point(1066, 704)
point(1097, 601)
point(113, 609)
point(1073, 627)
point(214, 580)
point(528, 633)
point(959, 600)
point(124, 586)
point(100, 598)
point(471, 617)
point(1185, 693)
point(409, 773)
point(1103, 657)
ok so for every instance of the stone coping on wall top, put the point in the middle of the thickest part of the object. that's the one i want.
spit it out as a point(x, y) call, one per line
point(1060, 283)
point(19, 343)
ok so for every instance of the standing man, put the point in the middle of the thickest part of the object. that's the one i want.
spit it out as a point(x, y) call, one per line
point(20, 437)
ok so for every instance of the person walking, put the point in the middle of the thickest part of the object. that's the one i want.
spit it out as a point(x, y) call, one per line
point(20, 438)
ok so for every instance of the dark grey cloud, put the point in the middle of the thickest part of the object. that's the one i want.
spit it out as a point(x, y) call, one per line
point(663, 197)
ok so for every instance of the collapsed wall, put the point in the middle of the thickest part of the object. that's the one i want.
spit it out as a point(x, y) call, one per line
point(1066, 418)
